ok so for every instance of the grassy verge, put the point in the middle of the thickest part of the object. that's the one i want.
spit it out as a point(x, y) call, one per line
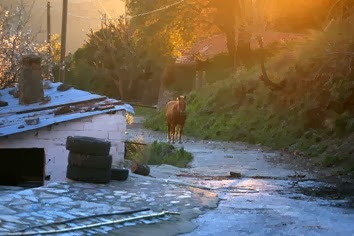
point(158, 154)
point(144, 111)
point(312, 114)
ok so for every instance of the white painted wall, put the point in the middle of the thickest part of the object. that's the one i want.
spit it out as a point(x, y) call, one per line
point(53, 138)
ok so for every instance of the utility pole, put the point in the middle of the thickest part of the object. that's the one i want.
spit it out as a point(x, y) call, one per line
point(234, 40)
point(48, 42)
point(63, 42)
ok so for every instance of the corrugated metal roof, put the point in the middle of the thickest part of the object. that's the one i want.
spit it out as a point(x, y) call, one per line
point(83, 104)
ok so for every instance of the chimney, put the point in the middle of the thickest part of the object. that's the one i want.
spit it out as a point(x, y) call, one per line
point(30, 82)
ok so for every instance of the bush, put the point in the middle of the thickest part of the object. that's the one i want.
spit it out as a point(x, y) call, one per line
point(158, 154)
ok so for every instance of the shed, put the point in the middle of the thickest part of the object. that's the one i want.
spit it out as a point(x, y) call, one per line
point(34, 136)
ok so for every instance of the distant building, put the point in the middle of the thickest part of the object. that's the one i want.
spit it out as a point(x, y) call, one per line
point(217, 44)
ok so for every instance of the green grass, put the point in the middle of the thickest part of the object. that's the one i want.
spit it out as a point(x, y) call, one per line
point(246, 110)
point(157, 154)
point(144, 111)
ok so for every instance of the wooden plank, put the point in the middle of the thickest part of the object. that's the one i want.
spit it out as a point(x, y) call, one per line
point(59, 105)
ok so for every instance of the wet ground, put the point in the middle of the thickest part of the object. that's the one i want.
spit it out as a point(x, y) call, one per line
point(64, 206)
point(270, 198)
point(275, 208)
point(262, 197)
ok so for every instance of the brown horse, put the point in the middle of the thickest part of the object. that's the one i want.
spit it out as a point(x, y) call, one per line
point(176, 114)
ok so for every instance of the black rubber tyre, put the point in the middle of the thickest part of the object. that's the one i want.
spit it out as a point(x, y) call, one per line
point(88, 175)
point(119, 174)
point(89, 161)
point(88, 145)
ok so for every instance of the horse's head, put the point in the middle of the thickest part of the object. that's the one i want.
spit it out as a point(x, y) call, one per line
point(182, 104)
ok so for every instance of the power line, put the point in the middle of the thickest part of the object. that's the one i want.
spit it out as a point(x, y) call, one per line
point(105, 10)
point(156, 10)
point(129, 17)
point(81, 17)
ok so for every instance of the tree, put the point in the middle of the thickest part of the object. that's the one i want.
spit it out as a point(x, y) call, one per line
point(16, 39)
point(113, 54)
point(127, 52)
point(168, 28)
point(224, 19)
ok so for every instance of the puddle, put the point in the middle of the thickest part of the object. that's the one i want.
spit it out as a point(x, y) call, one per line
point(301, 190)
point(208, 177)
point(323, 193)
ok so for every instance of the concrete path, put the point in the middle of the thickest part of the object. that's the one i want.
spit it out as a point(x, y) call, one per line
point(268, 199)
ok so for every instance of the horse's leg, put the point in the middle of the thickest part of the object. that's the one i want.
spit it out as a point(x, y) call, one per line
point(180, 133)
point(177, 132)
point(173, 132)
point(168, 132)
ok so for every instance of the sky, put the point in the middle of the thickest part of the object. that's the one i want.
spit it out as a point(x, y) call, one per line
point(82, 16)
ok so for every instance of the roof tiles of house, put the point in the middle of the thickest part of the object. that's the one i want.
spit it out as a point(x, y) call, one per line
point(217, 44)
point(80, 103)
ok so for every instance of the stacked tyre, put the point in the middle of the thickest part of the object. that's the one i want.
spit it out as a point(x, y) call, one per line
point(89, 160)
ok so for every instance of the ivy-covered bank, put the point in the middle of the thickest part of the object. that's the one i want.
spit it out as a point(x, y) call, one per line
point(312, 113)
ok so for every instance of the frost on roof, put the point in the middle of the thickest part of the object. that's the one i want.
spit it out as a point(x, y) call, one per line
point(75, 104)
